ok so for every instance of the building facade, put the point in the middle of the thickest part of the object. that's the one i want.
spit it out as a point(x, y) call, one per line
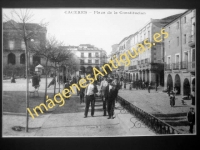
point(179, 53)
point(14, 45)
point(149, 65)
point(88, 56)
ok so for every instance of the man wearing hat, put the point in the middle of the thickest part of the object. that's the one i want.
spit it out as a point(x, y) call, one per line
point(110, 98)
point(172, 99)
point(103, 86)
point(90, 98)
point(191, 119)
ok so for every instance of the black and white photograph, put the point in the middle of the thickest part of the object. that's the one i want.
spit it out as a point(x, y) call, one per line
point(98, 72)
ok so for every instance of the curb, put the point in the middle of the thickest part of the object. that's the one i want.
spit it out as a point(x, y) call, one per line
point(11, 113)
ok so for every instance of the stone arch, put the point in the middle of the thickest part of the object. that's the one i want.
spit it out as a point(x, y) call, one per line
point(22, 58)
point(186, 87)
point(11, 59)
point(82, 69)
point(36, 60)
point(170, 81)
point(177, 83)
point(193, 84)
point(89, 70)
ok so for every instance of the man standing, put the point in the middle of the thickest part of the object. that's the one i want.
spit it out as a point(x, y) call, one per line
point(110, 98)
point(103, 86)
point(191, 119)
point(90, 93)
point(149, 87)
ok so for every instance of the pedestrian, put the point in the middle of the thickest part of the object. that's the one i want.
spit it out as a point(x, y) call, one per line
point(13, 79)
point(90, 99)
point(103, 86)
point(191, 119)
point(193, 96)
point(110, 98)
point(156, 86)
point(35, 81)
point(82, 93)
point(116, 85)
point(168, 90)
point(124, 84)
point(67, 87)
point(172, 99)
point(149, 87)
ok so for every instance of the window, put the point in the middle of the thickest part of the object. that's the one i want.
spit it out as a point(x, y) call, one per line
point(89, 61)
point(96, 54)
point(193, 26)
point(177, 41)
point(23, 45)
point(96, 61)
point(169, 60)
point(82, 54)
point(177, 58)
point(177, 25)
point(184, 39)
point(89, 55)
point(11, 44)
point(184, 19)
point(82, 61)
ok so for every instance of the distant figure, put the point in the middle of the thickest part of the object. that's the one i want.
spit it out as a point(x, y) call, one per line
point(67, 87)
point(191, 119)
point(149, 87)
point(172, 99)
point(13, 79)
point(35, 81)
point(193, 97)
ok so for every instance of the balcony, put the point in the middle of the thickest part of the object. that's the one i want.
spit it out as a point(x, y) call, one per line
point(132, 67)
point(184, 65)
point(191, 66)
point(121, 67)
point(176, 66)
point(191, 42)
point(168, 66)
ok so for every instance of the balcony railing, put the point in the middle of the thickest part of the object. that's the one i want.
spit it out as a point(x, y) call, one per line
point(192, 40)
point(132, 67)
point(176, 66)
point(121, 67)
point(184, 65)
point(168, 66)
point(191, 66)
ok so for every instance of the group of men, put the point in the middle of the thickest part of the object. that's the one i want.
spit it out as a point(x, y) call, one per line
point(108, 91)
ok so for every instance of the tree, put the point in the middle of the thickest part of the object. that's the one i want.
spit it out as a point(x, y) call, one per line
point(20, 21)
point(47, 52)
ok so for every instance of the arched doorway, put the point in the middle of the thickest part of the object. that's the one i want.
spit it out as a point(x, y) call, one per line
point(89, 70)
point(133, 76)
point(136, 76)
point(170, 82)
point(36, 60)
point(177, 84)
point(82, 69)
point(11, 59)
point(162, 77)
point(193, 84)
point(186, 87)
point(22, 58)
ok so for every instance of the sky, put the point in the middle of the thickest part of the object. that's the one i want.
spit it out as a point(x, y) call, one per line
point(99, 27)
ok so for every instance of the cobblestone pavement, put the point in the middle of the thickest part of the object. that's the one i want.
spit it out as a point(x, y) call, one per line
point(157, 103)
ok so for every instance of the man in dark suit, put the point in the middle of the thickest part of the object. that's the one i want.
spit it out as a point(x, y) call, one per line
point(191, 119)
point(110, 93)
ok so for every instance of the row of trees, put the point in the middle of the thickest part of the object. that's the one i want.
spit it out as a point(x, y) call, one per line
point(51, 51)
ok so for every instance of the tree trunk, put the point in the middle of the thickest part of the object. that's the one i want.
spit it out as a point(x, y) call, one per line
point(55, 80)
point(59, 77)
point(46, 71)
